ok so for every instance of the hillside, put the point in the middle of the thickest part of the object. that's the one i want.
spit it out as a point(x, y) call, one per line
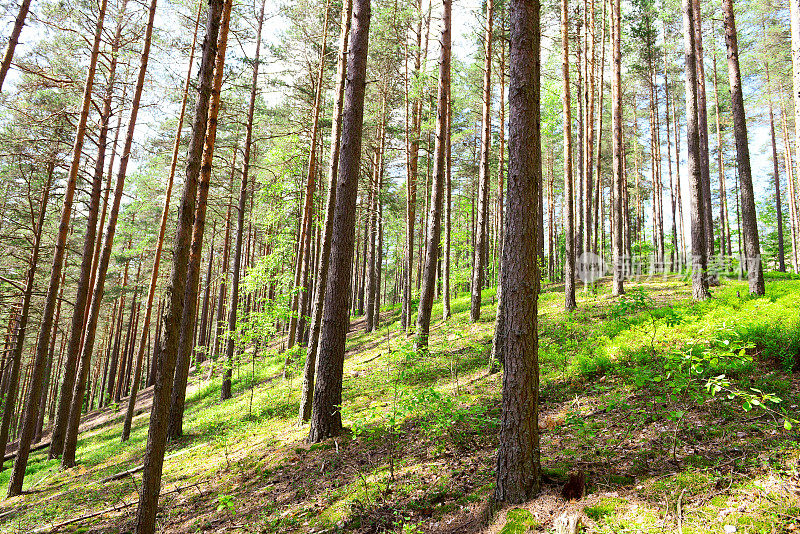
point(618, 403)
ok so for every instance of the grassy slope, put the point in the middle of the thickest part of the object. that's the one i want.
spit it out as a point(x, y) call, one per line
point(420, 453)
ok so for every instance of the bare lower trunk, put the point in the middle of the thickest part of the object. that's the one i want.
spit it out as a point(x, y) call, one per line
point(694, 160)
point(618, 172)
point(569, 194)
point(126, 428)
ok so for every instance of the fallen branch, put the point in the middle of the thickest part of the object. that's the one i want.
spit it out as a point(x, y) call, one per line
point(116, 508)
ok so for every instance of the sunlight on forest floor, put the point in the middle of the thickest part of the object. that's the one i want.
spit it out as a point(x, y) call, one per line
point(624, 399)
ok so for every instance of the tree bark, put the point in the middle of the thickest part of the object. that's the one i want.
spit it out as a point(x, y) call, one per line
point(126, 428)
point(309, 370)
point(437, 189)
point(518, 464)
point(71, 437)
point(618, 170)
point(326, 420)
point(569, 194)
point(237, 252)
point(19, 343)
point(165, 366)
point(484, 175)
point(13, 40)
point(694, 159)
point(304, 245)
point(702, 115)
point(412, 143)
point(776, 176)
point(752, 248)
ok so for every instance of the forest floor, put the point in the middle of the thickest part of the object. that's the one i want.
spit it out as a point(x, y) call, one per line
point(624, 399)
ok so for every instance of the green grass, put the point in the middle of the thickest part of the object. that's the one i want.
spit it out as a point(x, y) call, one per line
point(617, 399)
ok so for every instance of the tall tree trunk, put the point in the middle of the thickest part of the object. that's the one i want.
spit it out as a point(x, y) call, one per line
point(618, 171)
point(372, 225)
point(71, 437)
point(309, 370)
point(225, 391)
point(326, 417)
point(13, 40)
point(776, 177)
point(448, 208)
point(203, 342)
point(437, 188)
point(412, 141)
point(304, 245)
point(794, 6)
point(37, 436)
point(569, 194)
point(724, 225)
point(694, 159)
point(484, 175)
point(237, 252)
point(675, 256)
point(19, 340)
point(126, 428)
point(752, 248)
point(15, 487)
point(518, 464)
point(189, 316)
point(165, 366)
point(702, 115)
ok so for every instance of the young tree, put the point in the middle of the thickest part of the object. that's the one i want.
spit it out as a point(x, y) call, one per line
point(518, 463)
point(752, 248)
point(326, 419)
point(437, 188)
